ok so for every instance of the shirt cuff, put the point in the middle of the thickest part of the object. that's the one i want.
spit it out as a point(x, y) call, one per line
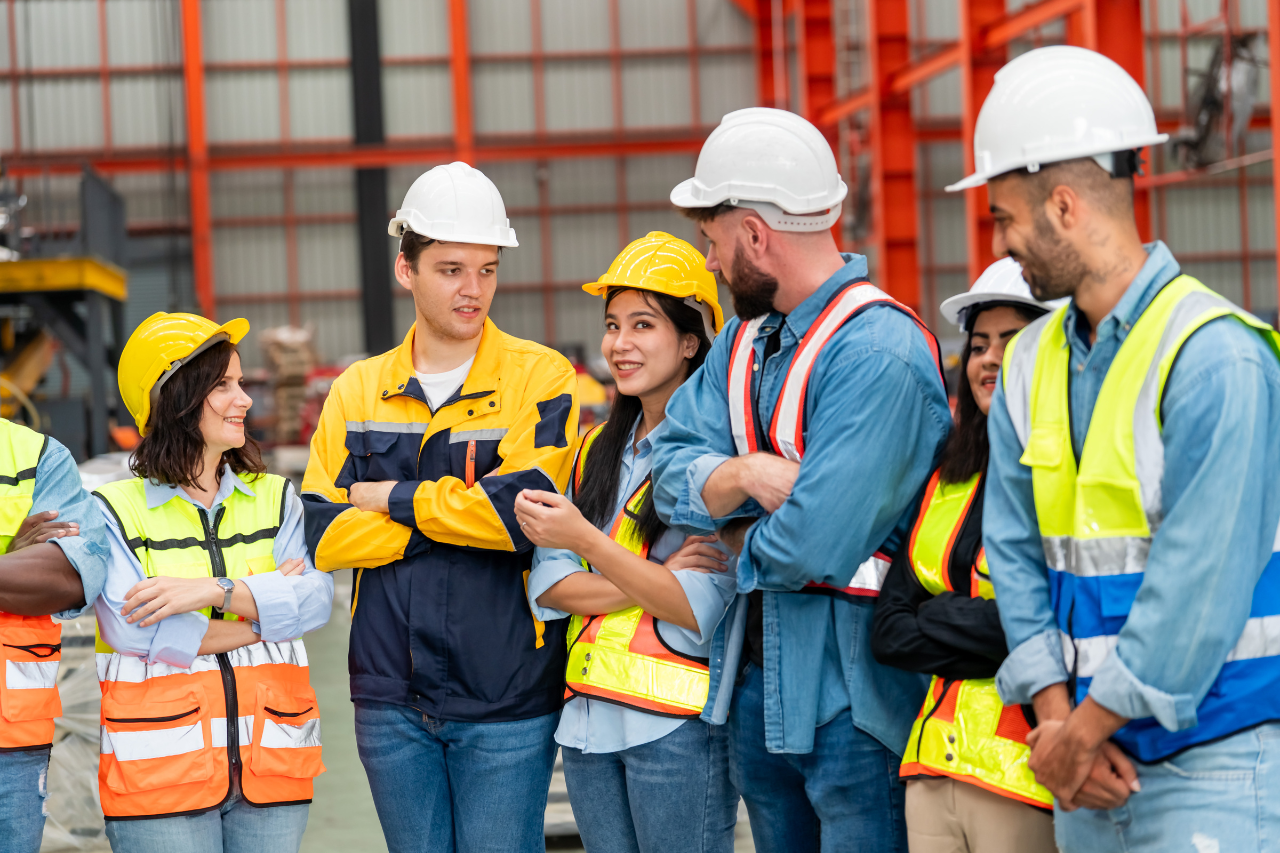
point(706, 602)
point(177, 639)
point(277, 607)
point(1034, 665)
point(89, 559)
point(1117, 689)
point(691, 512)
point(400, 503)
point(748, 575)
point(548, 574)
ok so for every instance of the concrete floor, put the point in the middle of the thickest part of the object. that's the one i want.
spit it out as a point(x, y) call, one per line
point(342, 814)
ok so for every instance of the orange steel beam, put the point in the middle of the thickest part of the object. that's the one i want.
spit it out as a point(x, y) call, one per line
point(771, 71)
point(197, 159)
point(978, 66)
point(1273, 38)
point(460, 65)
point(893, 160)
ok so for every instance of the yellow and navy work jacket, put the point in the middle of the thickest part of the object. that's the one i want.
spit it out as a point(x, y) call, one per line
point(440, 618)
point(620, 657)
point(963, 730)
point(175, 741)
point(30, 646)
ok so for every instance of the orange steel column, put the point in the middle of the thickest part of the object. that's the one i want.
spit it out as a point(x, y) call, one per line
point(197, 159)
point(893, 155)
point(1273, 38)
point(770, 75)
point(978, 69)
point(817, 69)
point(460, 65)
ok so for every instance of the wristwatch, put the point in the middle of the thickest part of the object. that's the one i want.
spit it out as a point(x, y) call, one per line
point(228, 587)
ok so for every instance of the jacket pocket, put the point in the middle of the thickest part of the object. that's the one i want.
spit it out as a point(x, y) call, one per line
point(161, 741)
point(286, 738)
point(375, 455)
point(29, 685)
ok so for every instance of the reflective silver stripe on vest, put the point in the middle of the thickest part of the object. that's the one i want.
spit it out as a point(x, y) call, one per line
point(30, 675)
point(870, 575)
point(244, 726)
point(1260, 639)
point(113, 666)
point(1092, 558)
point(278, 736)
point(740, 361)
point(158, 743)
point(387, 426)
point(478, 435)
point(1022, 366)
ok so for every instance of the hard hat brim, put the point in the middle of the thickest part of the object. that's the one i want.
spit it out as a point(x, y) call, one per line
point(712, 316)
point(411, 220)
point(691, 193)
point(977, 179)
point(952, 309)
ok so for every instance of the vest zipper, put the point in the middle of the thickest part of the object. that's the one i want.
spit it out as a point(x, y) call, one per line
point(224, 662)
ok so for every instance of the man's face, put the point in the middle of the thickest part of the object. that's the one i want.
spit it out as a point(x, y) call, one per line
point(452, 287)
point(1051, 266)
point(752, 289)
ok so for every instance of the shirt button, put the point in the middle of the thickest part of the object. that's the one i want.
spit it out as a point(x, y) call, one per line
point(950, 757)
point(755, 367)
point(470, 412)
point(951, 738)
point(584, 670)
point(588, 655)
point(492, 404)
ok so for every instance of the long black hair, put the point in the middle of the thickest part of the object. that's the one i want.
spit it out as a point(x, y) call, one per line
point(967, 449)
point(599, 493)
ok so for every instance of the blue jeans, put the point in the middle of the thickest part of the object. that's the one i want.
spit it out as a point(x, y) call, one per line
point(670, 794)
point(22, 793)
point(236, 827)
point(843, 796)
point(442, 786)
point(1223, 797)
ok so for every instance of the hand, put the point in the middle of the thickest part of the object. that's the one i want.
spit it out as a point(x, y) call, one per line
point(371, 497)
point(1111, 779)
point(289, 568)
point(551, 520)
point(768, 479)
point(40, 528)
point(153, 599)
point(1078, 774)
point(734, 534)
point(695, 555)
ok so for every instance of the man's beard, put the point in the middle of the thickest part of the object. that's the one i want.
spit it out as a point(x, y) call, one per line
point(752, 289)
point(1051, 267)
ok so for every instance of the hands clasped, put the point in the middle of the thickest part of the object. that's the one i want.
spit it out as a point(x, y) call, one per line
point(1077, 762)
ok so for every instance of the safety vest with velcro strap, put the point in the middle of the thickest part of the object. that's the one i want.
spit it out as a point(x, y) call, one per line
point(1097, 519)
point(786, 433)
point(173, 739)
point(620, 657)
point(963, 730)
point(31, 646)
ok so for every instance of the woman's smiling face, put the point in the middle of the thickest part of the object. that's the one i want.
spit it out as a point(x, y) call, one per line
point(222, 422)
point(644, 350)
point(992, 330)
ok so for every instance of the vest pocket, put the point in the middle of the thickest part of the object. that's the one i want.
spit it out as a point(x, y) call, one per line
point(157, 742)
point(29, 684)
point(261, 565)
point(286, 738)
point(1113, 505)
point(13, 510)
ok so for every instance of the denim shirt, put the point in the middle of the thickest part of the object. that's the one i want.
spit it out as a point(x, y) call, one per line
point(588, 724)
point(58, 487)
point(1221, 452)
point(876, 419)
point(288, 607)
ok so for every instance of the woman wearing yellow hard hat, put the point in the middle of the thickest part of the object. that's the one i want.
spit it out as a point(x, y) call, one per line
point(210, 729)
point(643, 772)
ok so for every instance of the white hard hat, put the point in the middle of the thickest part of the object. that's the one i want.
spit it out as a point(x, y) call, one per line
point(773, 162)
point(457, 204)
point(1000, 284)
point(1059, 103)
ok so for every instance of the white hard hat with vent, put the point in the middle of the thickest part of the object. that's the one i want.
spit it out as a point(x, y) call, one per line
point(1061, 103)
point(773, 162)
point(457, 204)
point(1000, 284)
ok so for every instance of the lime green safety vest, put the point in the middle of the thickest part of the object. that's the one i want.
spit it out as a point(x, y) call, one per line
point(620, 657)
point(20, 452)
point(1097, 517)
point(963, 730)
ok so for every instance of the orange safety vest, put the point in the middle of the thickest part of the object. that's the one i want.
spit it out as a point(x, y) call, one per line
point(963, 730)
point(174, 739)
point(620, 657)
point(30, 646)
point(786, 430)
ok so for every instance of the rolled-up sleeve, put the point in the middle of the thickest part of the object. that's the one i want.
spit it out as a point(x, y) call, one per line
point(58, 487)
point(550, 566)
point(290, 606)
point(174, 640)
point(1015, 555)
point(1221, 507)
point(709, 598)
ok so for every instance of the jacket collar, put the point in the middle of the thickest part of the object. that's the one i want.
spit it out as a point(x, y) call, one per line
point(398, 376)
point(159, 494)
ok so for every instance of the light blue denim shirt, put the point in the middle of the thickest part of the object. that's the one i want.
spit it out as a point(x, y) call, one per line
point(594, 726)
point(58, 487)
point(288, 607)
point(876, 419)
point(1221, 450)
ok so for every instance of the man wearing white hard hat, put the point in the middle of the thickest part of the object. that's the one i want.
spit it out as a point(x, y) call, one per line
point(414, 471)
point(804, 439)
point(1131, 505)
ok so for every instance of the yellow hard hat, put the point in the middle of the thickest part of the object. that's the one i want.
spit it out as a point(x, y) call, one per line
point(665, 264)
point(160, 345)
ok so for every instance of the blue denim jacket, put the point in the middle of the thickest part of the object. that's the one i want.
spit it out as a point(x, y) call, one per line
point(58, 487)
point(1221, 450)
point(876, 419)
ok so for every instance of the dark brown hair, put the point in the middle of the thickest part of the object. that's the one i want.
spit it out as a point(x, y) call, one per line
point(172, 452)
point(412, 245)
point(967, 449)
point(706, 214)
